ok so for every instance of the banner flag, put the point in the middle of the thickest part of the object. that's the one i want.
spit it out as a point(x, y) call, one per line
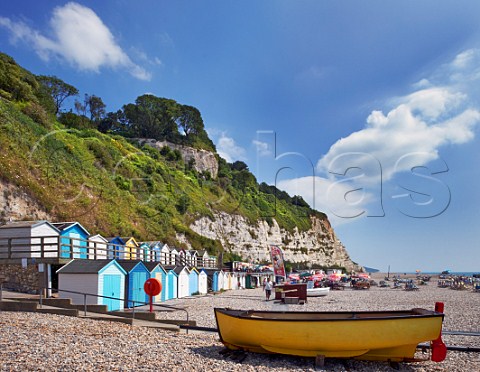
point(278, 262)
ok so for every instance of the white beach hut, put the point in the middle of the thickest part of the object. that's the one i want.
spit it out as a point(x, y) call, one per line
point(183, 281)
point(165, 255)
point(95, 277)
point(227, 281)
point(221, 280)
point(203, 282)
point(29, 239)
point(173, 257)
point(97, 247)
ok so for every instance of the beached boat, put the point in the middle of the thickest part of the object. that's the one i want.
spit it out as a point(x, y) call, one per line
point(375, 335)
point(318, 292)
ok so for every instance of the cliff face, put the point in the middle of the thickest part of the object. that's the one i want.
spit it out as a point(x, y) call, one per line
point(16, 204)
point(319, 245)
point(204, 161)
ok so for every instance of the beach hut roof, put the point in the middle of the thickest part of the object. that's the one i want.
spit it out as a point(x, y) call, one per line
point(209, 271)
point(152, 266)
point(98, 236)
point(126, 239)
point(117, 238)
point(178, 269)
point(154, 244)
point(87, 266)
point(23, 224)
point(67, 225)
point(129, 265)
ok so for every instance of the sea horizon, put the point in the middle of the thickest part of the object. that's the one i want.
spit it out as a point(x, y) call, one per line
point(460, 273)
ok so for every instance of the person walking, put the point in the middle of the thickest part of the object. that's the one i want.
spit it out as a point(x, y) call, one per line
point(268, 289)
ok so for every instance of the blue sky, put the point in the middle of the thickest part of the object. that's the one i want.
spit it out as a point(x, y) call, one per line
point(369, 110)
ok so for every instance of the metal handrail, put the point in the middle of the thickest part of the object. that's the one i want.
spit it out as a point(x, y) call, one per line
point(141, 303)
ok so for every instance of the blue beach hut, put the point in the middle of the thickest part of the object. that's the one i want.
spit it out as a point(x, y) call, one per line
point(193, 281)
point(158, 272)
point(215, 281)
point(144, 252)
point(137, 275)
point(172, 285)
point(95, 277)
point(155, 248)
point(156, 251)
point(116, 248)
point(73, 238)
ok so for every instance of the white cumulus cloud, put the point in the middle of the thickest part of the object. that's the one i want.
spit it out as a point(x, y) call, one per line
point(439, 113)
point(263, 148)
point(229, 150)
point(80, 37)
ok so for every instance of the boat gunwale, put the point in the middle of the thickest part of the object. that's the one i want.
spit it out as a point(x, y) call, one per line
point(246, 315)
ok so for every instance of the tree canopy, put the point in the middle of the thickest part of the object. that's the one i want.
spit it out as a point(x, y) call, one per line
point(163, 119)
point(57, 89)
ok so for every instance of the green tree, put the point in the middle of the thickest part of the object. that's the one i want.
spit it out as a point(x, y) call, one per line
point(239, 166)
point(152, 117)
point(96, 107)
point(57, 89)
point(112, 122)
point(183, 203)
point(189, 120)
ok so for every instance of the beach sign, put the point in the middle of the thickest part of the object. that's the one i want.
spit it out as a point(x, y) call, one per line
point(278, 262)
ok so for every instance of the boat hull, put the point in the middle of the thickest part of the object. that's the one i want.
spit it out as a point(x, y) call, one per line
point(318, 292)
point(361, 335)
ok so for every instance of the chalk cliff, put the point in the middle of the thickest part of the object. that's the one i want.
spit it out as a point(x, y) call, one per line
point(319, 245)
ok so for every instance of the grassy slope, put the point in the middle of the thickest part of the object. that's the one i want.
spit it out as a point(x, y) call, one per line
point(115, 188)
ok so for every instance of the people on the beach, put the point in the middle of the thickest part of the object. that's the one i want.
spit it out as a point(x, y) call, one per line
point(268, 289)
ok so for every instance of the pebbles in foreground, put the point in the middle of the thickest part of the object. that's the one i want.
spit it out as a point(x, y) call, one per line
point(41, 342)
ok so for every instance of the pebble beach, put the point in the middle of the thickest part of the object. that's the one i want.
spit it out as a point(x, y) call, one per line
point(41, 342)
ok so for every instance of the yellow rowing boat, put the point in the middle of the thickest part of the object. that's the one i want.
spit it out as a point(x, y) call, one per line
point(374, 335)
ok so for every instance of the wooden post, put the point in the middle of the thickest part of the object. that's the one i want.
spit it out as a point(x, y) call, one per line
point(10, 248)
point(2, 279)
point(59, 246)
point(71, 247)
point(319, 362)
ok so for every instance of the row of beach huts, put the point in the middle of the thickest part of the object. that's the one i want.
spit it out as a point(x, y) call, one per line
point(120, 283)
point(112, 271)
point(43, 239)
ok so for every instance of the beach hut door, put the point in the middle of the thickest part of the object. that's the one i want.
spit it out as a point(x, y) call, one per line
point(138, 294)
point(111, 288)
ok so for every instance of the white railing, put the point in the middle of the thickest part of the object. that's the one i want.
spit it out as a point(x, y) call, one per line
point(48, 247)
